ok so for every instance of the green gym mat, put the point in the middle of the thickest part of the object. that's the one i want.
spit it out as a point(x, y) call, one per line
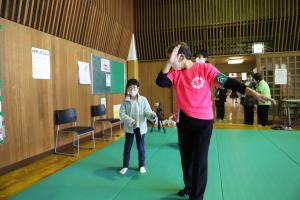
point(243, 165)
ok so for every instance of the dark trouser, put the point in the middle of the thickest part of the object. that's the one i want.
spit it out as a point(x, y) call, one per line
point(194, 138)
point(262, 114)
point(220, 109)
point(139, 144)
point(248, 114)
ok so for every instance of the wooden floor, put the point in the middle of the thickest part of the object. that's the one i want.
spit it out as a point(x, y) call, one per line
point(19, 179)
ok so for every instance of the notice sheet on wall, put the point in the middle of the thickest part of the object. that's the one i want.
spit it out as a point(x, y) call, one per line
point(40, 63)
point(116, 111)
point(84, 73)
point(280, 76)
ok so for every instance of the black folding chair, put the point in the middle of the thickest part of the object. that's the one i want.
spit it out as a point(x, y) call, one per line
point(98, 113)
point(68, 116)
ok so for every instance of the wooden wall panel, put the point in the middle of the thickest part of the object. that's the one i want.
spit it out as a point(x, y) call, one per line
point(220, 27)
point(29, 104)
point(78, 21)
point(148, 88)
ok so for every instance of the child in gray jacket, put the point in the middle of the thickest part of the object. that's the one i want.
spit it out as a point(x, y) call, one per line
point(134, 112)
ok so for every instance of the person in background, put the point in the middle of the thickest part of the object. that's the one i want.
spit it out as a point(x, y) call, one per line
point(220, 99)
point(263, 88)
point(134, 112)
point(192, 82)
point(234, 96)
point(249, 102)
point(201, 56)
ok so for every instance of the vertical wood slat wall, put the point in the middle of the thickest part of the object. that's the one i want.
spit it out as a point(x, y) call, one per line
point(29, 103)
point(220, 27)
point(147, 75)
point(105, 25)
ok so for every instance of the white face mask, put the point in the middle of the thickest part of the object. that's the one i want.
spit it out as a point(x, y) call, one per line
point(177, 65)
point(200, 60)
point(133, 93)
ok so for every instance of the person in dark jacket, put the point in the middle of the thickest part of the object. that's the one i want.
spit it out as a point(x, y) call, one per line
point(220, 99)
point(249, 103)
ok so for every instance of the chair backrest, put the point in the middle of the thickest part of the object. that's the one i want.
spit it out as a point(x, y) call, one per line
point(65, 116)
point(98, 110)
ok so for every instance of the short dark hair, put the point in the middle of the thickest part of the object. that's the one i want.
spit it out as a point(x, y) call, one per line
point(131, 82)
point(201, 52)
point(184, 49)
point(258, 76)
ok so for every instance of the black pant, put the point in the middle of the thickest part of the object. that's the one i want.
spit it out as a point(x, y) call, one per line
point(194, 138)
point(262, 114)
point(220, 108)
point(248, 114)
point(139, 144)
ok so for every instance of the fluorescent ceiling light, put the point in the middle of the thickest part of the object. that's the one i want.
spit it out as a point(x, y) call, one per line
point(235, 61)
point(258, 47)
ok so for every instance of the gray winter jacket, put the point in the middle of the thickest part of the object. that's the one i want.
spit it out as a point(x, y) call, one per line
point(127, 115)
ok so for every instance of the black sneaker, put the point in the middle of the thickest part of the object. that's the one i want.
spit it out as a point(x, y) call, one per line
point(183, 193)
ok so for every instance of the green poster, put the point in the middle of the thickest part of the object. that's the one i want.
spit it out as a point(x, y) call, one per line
point(107, 76)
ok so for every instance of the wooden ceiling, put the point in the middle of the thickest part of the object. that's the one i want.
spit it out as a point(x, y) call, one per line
point(105, 25)
point(222, 27)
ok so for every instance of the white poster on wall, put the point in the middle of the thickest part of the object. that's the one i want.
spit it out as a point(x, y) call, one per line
point(2, 130)
point(108, 80)
point(105, 65)
point(280, 76)
point(116, 111)
point(244, 76)
point(40, 63)
point(103, 101)
point(84, 73)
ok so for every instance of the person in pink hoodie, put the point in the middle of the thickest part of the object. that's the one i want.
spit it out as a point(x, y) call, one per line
point(192, 82)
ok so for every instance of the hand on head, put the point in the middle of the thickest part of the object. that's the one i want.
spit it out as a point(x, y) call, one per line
point(174, 55)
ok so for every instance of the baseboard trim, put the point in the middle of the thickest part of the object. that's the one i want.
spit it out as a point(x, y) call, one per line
point(32, 159)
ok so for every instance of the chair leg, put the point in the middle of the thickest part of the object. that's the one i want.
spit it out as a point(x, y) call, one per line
point(103, 133)
point(103, 128)
point(93, 138)
point(78, 139)
point(56, 146)
point(56, 142)
point(118, 134)
point(74, 140)
point(120, 128)
point(110, 131)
